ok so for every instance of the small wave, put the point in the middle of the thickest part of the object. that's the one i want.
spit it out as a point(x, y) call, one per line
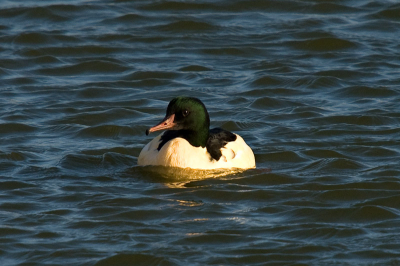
point(360, 120)
point(368, 213)
point(89, 67)
point(106, 131)
point(153, 79)
point(33, 38)
point(390, 13)
point(323, 153)
point(332, 8)
point(29, 170)
point(384, 201)
point(205, 238)
point(267, 81)
point(116, 150)
point(232, 51)
point(11, 185)
point(96, 163)
point(18, 206)
point(265, 177)
point(342, 164)
point(118, 160)
point(274, 103)
point(281, 156)
point(266, 6)
point(364, 214)
point(347, 193)
point(341, 74)
point(187, 25)
point(385, 171)
point(13, 156)
point(249, 125)
point(317, 82)
point(145, 75)
point(8, 231)
point(42, 13)
point(195, 68)
point(240, 126)
point(127, 18)
point(3, 72)
point(58, 212)
point(98, 92)
point(177, 6)
point(96, 117)
point(278, 66)
point(45, 59)
point(78, 51)
point(308, 114)
point(332, 164)
point(376, 152)
point(138, 259)
point(271, 91)
point(318, 231)
point(47, 235)
point(16, 128)
point(323, 44)
point(80, 161)
point(365, 91)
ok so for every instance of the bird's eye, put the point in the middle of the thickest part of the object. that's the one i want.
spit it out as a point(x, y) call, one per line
point(185, 112)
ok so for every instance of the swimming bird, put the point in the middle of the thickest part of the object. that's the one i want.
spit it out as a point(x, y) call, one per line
point(188, 141)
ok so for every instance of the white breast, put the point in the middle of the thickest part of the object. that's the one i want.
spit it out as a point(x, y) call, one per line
point(179, 152)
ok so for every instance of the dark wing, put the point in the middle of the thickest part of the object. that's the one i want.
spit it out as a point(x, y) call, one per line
point(217, 139)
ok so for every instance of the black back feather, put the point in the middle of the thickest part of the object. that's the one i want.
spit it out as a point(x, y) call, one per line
point(217, 139)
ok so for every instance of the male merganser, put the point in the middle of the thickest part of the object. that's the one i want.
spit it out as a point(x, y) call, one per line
point(189, 143)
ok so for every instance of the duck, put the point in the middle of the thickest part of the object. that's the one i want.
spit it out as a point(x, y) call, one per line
point(188, 141)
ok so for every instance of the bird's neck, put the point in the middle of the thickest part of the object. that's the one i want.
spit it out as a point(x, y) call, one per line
point(196, 138)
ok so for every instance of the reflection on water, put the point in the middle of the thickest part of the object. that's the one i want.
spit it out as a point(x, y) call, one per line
point(176, 174)
point(180, 177)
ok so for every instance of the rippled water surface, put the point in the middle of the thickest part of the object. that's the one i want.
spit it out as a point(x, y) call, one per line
point(312, 86)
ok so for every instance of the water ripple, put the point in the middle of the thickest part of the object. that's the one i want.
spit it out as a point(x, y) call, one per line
point(323, 44)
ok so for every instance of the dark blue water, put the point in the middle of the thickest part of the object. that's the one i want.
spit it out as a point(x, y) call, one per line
point(312, 86)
